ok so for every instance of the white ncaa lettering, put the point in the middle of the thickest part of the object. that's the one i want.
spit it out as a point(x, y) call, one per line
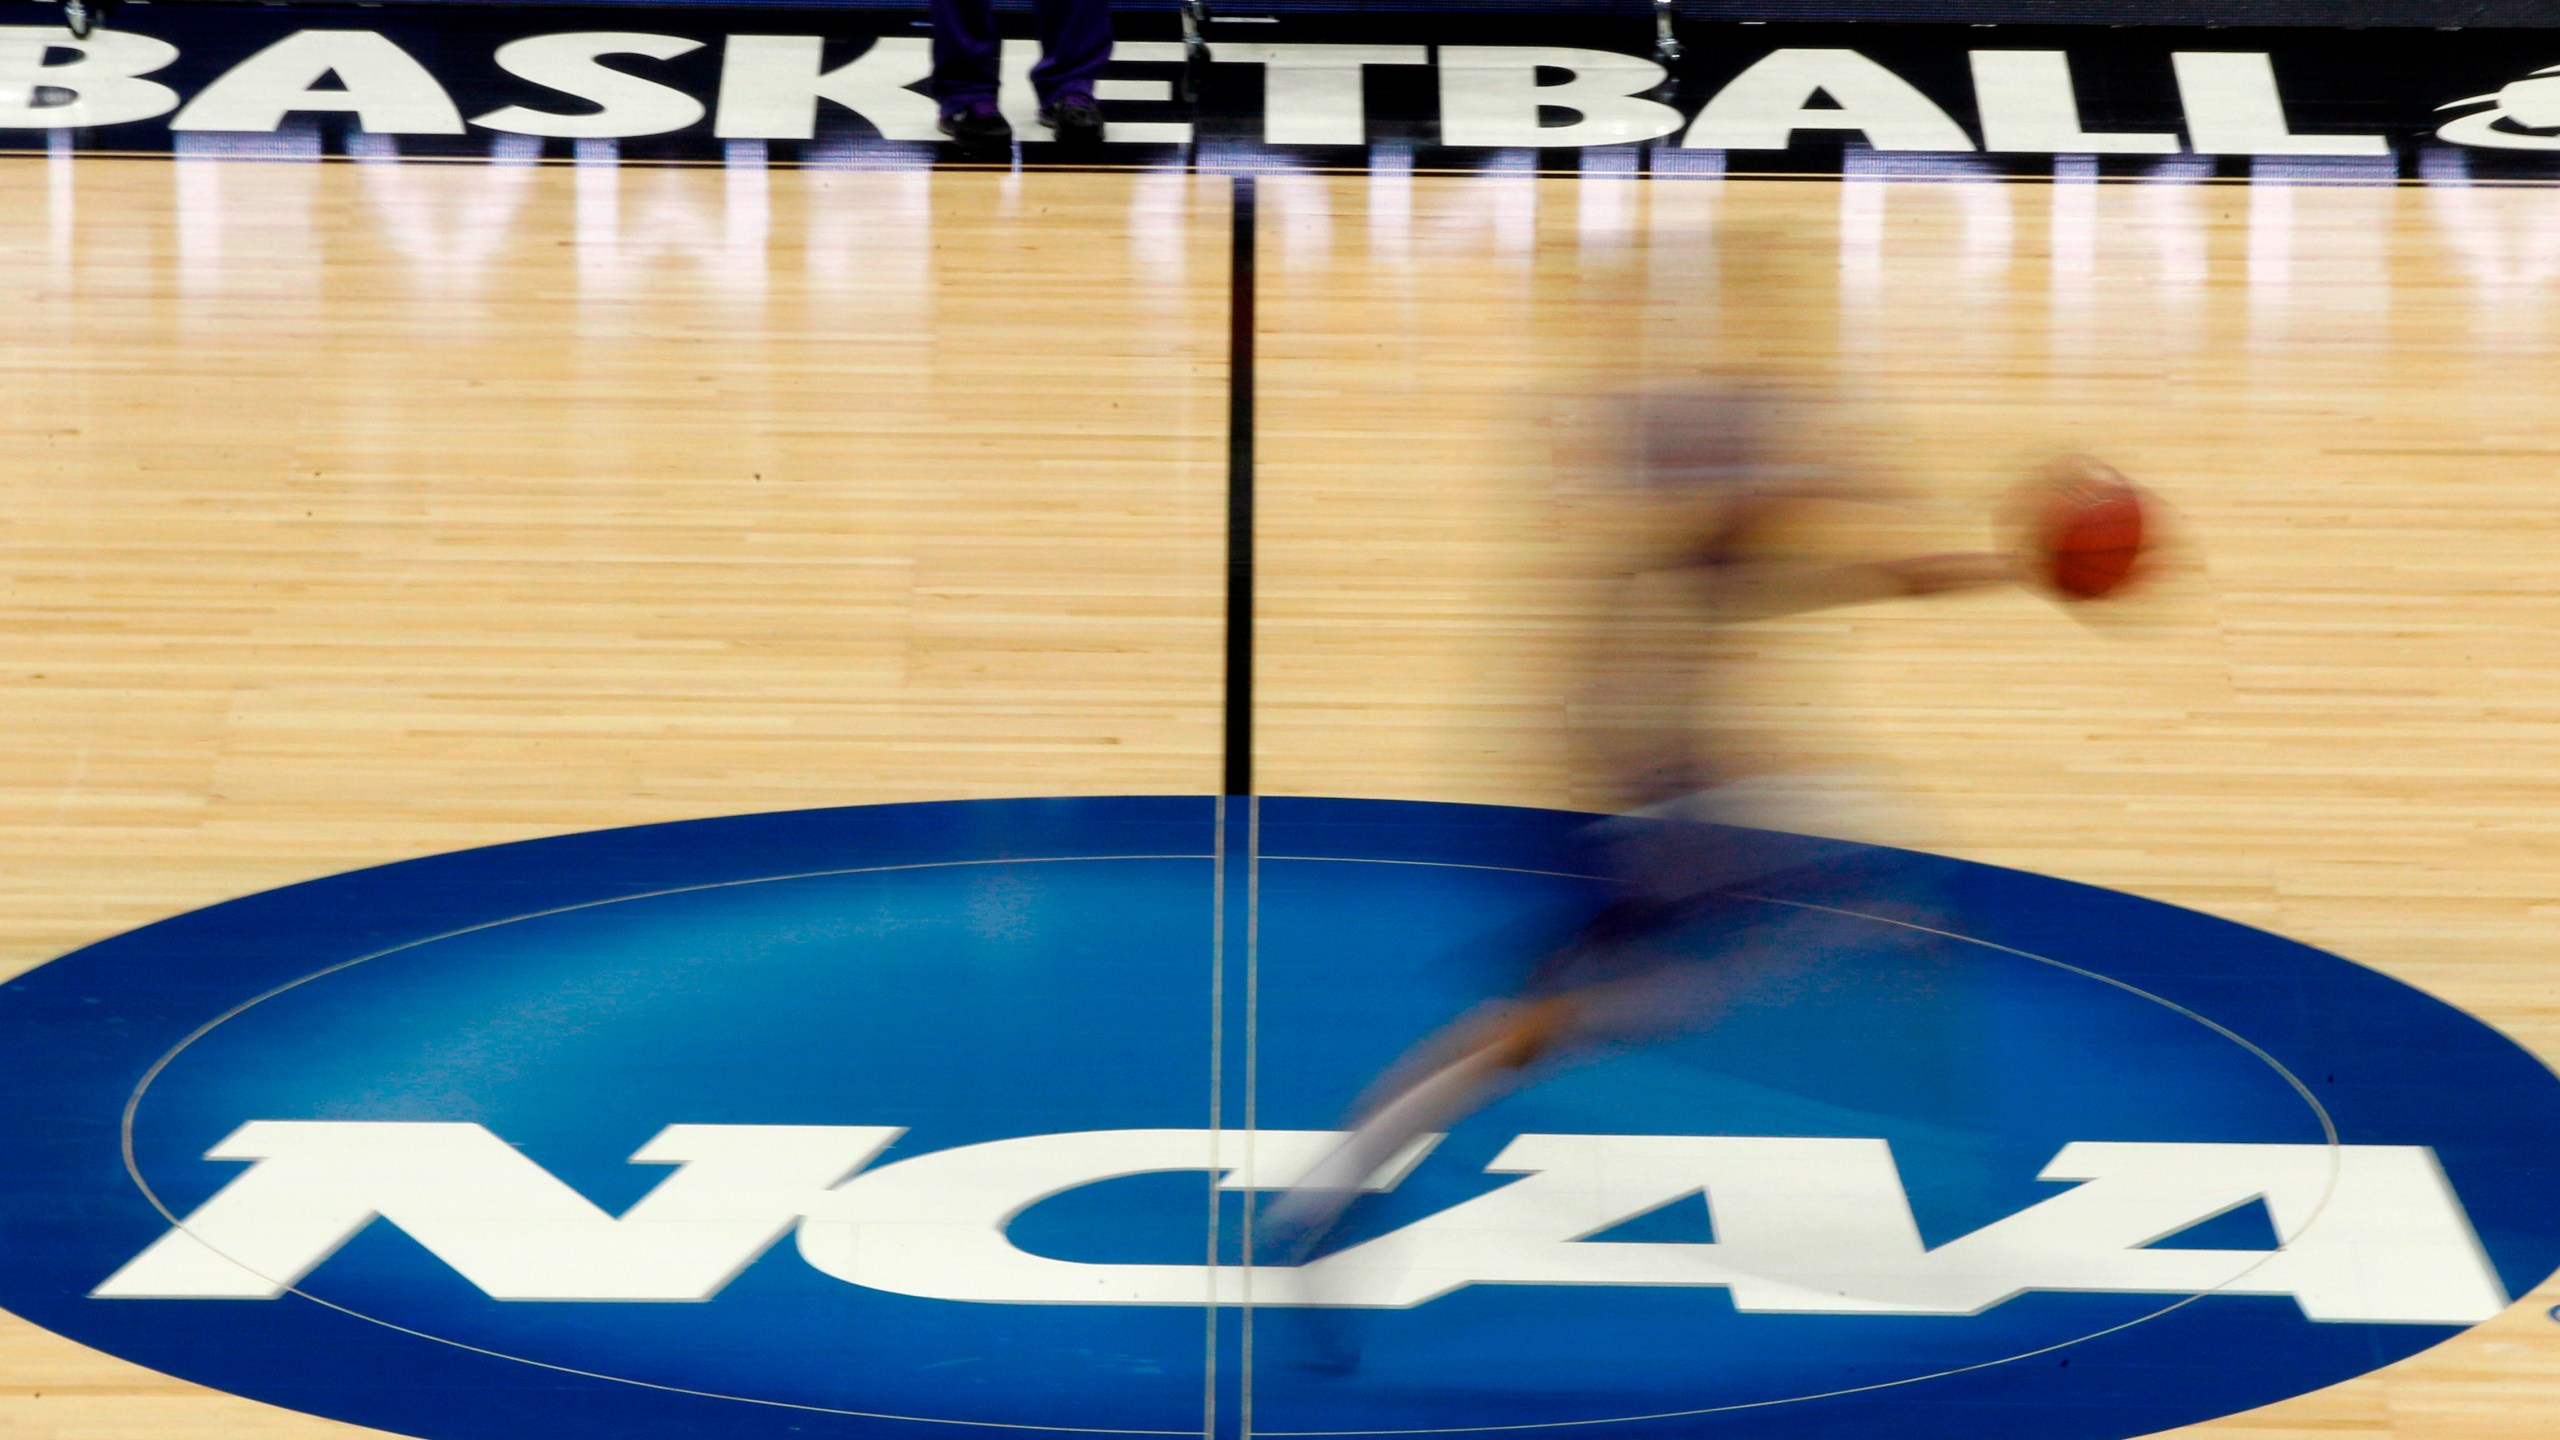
point(1490, 95)
point(505, 1223)
point(2370, 1233)
point(628, 105)
point(1311, 94)
point(388, 91)
point(2234, 108)
point(1799, 1224)
point(103, 78)
point(770, 86)
point(1823, 1226)
point(1763, 107)
point(935, 1226)
point(2028, 104)
point(1803, 1225)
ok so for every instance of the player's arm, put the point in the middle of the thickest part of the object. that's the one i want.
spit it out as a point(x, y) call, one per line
point(1760, 590)
point(1942, 574)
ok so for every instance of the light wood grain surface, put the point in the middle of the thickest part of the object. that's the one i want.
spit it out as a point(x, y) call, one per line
point(355, 512)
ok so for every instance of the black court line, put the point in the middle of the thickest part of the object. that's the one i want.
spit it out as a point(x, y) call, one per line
point(1238, 781)
point(1239, 689)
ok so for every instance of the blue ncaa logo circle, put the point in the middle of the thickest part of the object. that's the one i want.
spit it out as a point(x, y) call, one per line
point(893, 1119)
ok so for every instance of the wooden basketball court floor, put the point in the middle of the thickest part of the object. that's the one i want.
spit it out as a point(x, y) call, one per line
point(353, 512)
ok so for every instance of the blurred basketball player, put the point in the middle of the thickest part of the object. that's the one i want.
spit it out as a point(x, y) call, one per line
point(1749, 521)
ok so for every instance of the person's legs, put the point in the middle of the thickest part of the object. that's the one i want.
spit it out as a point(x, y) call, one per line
point(1449, 1076)
point(1667, 959)
point(965, 52)
point(1468, 1065)
point(1682, 943)
point(1075, 43)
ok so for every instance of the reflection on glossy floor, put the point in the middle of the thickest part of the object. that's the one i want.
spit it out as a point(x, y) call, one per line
point(363, 511)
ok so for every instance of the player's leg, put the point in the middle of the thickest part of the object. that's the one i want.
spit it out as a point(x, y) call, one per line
point(1449, 1076)
point(1075, 43)
point(966, 53)
point(1481, 1056)
point(1453, 1074)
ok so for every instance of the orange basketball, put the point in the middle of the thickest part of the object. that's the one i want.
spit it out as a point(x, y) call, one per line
point(2094, 528)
